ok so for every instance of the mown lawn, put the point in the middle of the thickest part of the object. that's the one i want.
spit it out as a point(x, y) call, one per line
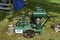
point(47, 32)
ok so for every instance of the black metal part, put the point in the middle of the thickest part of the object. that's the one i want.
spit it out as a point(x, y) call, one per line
point(48, 17)
point(29, 34)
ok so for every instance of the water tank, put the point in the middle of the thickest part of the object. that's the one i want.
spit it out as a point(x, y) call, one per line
point(39, 12)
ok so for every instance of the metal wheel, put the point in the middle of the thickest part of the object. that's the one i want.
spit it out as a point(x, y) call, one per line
point(29, 34)
point(56, 27)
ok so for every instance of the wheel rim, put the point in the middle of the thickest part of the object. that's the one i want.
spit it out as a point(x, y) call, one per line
point(29, 33)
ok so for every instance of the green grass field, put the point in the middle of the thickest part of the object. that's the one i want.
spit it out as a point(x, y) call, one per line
point(53, 8)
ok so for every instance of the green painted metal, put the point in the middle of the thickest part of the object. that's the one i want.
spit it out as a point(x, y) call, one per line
point(27, 25)
point(39, 12)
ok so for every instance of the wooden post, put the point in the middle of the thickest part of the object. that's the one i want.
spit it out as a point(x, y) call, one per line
point(11, 6)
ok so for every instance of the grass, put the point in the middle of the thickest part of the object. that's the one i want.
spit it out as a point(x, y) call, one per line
point(47, 32)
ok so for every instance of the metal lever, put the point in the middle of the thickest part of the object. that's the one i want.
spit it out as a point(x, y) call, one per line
point(48, 17)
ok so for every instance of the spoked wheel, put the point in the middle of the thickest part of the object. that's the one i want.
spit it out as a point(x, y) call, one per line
point(29, 34)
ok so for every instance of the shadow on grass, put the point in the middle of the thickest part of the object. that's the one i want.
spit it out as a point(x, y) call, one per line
point(2, 15)
point(48, 6)
point(51, 7)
